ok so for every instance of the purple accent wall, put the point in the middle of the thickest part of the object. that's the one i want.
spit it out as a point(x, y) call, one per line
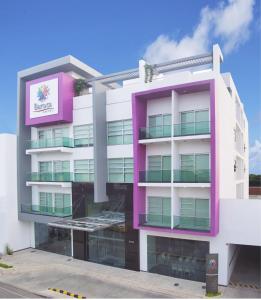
point(139, 113)
point(65, 101)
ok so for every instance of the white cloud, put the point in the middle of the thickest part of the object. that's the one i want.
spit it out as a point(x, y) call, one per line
point(232, 23)
point(228, 22)
point(255, 157)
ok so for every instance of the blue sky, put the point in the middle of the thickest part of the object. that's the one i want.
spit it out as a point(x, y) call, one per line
point(114, 35)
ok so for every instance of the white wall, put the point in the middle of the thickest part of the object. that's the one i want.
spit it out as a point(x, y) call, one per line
point(17, 234)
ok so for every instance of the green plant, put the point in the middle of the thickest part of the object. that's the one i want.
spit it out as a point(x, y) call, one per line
point(79, 85)
point(8, 250)
point(210, 294)
point(5, 266)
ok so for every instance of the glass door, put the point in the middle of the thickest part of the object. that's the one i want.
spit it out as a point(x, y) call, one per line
point(166, 168)
point(159, 212)
point(202, 167)
point(187, 123)
point(155, 126)
point(187, 168)
point(62, 170)
point(202, 122)
point(45, 171)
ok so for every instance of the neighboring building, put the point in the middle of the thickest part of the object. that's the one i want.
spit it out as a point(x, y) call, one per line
point(131, 174)
point(255, 192)
point(14, 233)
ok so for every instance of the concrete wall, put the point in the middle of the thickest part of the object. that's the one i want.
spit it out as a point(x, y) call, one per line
point(16, 234)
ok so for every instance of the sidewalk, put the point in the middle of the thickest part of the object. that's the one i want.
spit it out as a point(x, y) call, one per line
point(37, 271)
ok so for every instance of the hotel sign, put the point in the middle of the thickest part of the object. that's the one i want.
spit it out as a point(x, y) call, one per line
point(49, 100)
point(44, 98)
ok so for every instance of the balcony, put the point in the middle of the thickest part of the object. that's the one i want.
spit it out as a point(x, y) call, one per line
point(156, 132)
point(194, 128)
point(50, 143)
point(155, 176)
point(155, 220)
point(191, 223)
point(47, 210)
point(198, 176)
point(50, 177)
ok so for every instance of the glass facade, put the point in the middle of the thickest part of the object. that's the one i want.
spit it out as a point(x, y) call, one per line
point(119, 132)
point(107, 247)
point(83, 135)
point(84, 170)
point(56, 240)
point(178, 258)
point(120, 170)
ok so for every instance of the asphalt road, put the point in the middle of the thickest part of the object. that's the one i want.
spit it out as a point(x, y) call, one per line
point(8, 291)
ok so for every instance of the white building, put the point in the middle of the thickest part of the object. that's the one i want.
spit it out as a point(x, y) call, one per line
point(162, 151)
point(14, 233)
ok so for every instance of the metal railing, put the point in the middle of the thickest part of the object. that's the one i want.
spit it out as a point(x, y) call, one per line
point(51, 177)
point(155, 176)
point(155, 220)
point(50, 143)
point(193, 128)
point(155, 132)
point(182, 176)
point(47, 210)
point(191, 223)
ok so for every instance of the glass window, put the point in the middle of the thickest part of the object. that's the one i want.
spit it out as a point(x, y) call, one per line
point(202, 116)
point(160, 125)
point(45, 202)
point(62, 203)
point(45, 166)
point(61, 166)
point(157, 162)
point(84, 170)
point(120, 170)
point(60, 133)
point(83, 135)
point(194, 207)
point(119, 132)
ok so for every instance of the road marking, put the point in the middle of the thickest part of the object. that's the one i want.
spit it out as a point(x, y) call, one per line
point(64, 292)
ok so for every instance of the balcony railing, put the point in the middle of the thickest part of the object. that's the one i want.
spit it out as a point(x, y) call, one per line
point(155, 220)
point(51, 177)
point(182, 129)
point(194, 128)
point(155, 176)
point(47, 210)
point(155, 132)
point(84, 177)
point(192, 223)
point(199, 176)
point(182, 176)
point(179, 222)
point(50, 143)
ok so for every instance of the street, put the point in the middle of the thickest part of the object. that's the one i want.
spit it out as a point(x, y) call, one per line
point(9, 291)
